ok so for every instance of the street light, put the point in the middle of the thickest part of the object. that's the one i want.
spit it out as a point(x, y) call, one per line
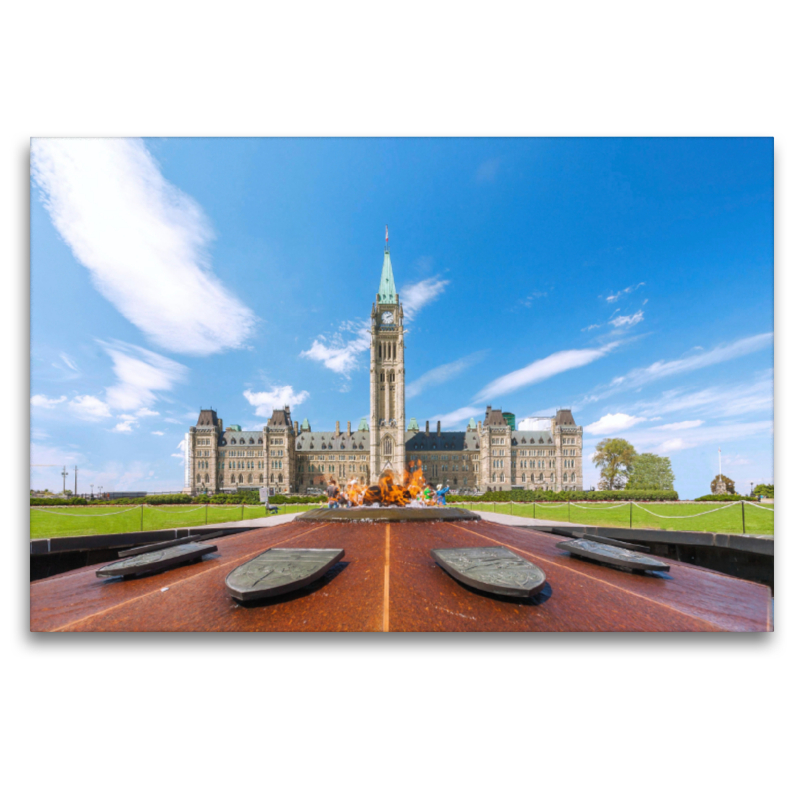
point(91, 489)
point(751, 488)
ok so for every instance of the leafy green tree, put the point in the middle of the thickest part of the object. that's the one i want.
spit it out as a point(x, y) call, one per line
point(615, 458)
point(650, 471)
point(766, 489)
point(727, 484)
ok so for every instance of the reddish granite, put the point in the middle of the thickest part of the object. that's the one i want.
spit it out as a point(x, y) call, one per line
point(405, 592)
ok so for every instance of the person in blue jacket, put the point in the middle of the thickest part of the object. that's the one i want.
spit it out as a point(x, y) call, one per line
point(440, 494)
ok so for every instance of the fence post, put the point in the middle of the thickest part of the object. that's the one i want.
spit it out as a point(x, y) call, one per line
point(743, 529)
point(630, 506)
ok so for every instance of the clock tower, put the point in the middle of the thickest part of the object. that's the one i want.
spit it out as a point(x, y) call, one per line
point(387, 377)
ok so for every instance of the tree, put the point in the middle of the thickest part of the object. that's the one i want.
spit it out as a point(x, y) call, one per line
point(650, 471)
point(615, 458)
point(765, 489)
point(723, 485)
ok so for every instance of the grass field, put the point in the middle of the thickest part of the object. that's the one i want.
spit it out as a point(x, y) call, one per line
point(86, 520)
point(615, 515)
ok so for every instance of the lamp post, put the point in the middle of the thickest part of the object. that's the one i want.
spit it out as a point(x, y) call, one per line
point(751, 488)
point(91, 489)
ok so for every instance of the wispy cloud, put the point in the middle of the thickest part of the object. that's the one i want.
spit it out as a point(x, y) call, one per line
point(277, 397)
point(613, 423)
point(140, 374)
point(415, 296)
point(628, 321)
point(459, 415)
point(541, 370)
point(144, 242)
point(42, 401)
point(487, 171)
point(612, 298)
point(689, 363)
point(157, 433)
point(660, 441)
point(339, 354)
point(443, 374)
point(680, 426)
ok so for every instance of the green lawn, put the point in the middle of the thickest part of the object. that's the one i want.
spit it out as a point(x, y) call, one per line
point(86, 520)
point(721, 520)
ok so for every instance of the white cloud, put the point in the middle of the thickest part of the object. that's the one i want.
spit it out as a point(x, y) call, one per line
point(278, 397)
point(123, 427)
point(157, 433)
point(87, 406)
point(632, 288)
point(442, 374)
point(339, 355)
point(662, 369)
point(679, 426)
point(629, 321)
point(658, 441)
point(541, 370)
point(68, 362)
point(459, 415)
point(147, 412)
point(613, 423)
point(140, 373)
point(415, 296)
point(41, 401)
point(143, 241)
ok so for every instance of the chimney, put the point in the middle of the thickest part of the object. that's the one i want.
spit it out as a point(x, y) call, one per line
point(438, 427)
point(286, 409)
point(296, 431)
point(480, 426)
point(348, 428)
point(427, 426)
point(337, 427)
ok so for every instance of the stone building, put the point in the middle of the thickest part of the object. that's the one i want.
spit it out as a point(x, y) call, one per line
point(287, 457)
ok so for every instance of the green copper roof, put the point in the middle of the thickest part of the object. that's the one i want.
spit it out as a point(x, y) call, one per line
point(472, 426)
point(413, 425)
point(363, 425)
point(386, 291)
point(305, 426)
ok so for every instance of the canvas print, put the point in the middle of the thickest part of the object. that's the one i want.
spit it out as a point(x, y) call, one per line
point(401, 385)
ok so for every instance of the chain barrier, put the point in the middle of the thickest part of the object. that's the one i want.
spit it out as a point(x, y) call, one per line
point(763, 508)
point(599, 507)
point(93, 516)
point(689, 516)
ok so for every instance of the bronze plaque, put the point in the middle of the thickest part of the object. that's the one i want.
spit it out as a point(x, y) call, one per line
point(279, 570)
point(613, 556)
point(156, 561)
point(491, 569)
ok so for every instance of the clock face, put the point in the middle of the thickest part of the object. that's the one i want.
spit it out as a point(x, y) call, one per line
point(387, 318)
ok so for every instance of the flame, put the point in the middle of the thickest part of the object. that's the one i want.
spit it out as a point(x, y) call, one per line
point(390, 490)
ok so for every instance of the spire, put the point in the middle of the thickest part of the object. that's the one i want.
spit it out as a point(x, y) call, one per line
point(386, 291)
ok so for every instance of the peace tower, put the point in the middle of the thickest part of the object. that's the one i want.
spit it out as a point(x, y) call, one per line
point(387, 376)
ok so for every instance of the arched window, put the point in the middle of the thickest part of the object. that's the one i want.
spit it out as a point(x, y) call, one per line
point(387, 446)
point(250, 478)
point(206, 478)
point(382, 377)
point(261, 478)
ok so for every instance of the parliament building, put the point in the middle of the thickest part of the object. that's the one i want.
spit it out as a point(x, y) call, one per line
point(288, 457)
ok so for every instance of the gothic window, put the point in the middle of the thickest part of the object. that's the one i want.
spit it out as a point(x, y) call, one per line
point(250, 478)
point(382, 377)
point(387, 446)
point(241, 479)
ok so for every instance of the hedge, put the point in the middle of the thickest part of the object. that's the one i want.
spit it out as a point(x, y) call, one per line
point(721, 498)
point(58, 501)
point(530, 496)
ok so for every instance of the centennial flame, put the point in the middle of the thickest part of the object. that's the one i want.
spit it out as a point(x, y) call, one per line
point(389, 491)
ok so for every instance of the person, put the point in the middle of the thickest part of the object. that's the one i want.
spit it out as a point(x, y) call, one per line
point(427, 493)
point(440, 494)
point(333, 493)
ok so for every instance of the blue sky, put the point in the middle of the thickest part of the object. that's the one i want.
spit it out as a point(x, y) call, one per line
point(628, 279)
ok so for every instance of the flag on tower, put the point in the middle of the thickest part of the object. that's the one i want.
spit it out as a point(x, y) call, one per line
point(387, 234)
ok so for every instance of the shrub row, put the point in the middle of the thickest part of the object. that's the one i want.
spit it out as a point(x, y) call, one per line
point(721, 498)
point(530, 496)
point(58, 501)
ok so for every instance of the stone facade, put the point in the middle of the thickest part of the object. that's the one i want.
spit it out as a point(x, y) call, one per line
point(287, 457)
